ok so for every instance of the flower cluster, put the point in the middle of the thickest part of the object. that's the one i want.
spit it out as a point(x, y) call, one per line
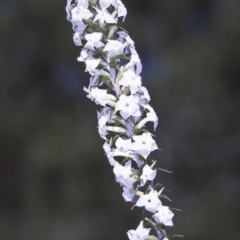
point(115, 85)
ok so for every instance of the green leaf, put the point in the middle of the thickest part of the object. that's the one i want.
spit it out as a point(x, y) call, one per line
point(137, 131)
point(122, 28)
point(175, 209)
point(163, 231)
point(176, 235)
point(158, 186)
point(151, 237)
point(152, 223)
point(107, 81)
point(125, 160)
point(163, 170)
point(118, 119)
point(123, 56)
point(104, 73)
point(166, 197)
point(145, 214)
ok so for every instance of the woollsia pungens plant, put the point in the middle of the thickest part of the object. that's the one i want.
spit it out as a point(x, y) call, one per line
point(115, 85)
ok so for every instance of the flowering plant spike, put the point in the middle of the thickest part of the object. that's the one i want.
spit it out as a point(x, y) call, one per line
point(115, 84)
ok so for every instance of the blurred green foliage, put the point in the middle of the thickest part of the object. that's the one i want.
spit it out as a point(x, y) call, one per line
point(55, 182)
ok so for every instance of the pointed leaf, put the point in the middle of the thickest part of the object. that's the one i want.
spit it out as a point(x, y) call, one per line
point(166, 197)
point(151, 238)
point(163, 170)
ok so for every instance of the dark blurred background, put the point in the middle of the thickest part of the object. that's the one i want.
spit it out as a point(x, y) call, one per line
point(56, 183)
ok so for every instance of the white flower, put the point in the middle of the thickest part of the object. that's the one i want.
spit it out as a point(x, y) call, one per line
point(93, 40)
point(152, 116)
point(122, 174)
point(106, 3)
point(128, 106)
point(117, 4)
point(83, 3)
point(147, 174)
point(140, 233)
point(103, 16)
point(144, 144)
point(144, 97)
point(131, 79)
point(77, 39)
point(114, 47)
point(138, 161)
point(103, 118)
point(128, 194)
point(76, 14)
point(150, 201)
point(109, 154)
point(125, 38)
point(80, 13)
point(98, 95)
point(91, 65)
point(101, 127)
point(69, 8)
point(79, 27)
point(135, 61)
point(121, 10)
point(84, 55)
point(123, 144)
point(163, 215)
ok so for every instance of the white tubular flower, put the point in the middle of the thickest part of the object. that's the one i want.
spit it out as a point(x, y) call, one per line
point(103, 16)
point(79, 27)
point(117, 4)
point(84, 55)
point(163, 215)
point(152, 116)
point(125, 38)
point(150, 201)
point(144, 97)
point(69, 7)
point(103, 118)
point(101, 127)
point(140, 233)
point(77, 39)
point(121, 10)
point(91, 65)
point(122, 174)
point(128, 106)
point(106, 3)
point(109, 154)
point(80, 13)
point(93, 40)
point(123, 144)
point(147, 174)
point(83, 3)
point(135, 61)
point(128, 194)
point(99, 96)
point(131, 79)
point(115, 84)
point(113, 47)
point(144, 144)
